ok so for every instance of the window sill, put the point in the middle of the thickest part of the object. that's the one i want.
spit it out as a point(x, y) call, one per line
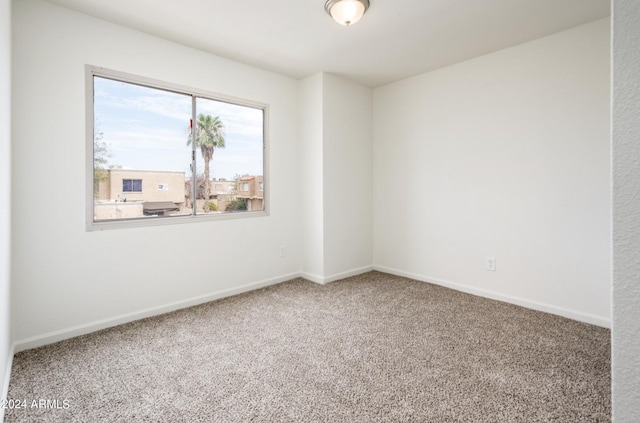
point(143, 222)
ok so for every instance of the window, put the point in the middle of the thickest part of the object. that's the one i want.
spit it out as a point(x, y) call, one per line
point(177, 139)
point(132, 185)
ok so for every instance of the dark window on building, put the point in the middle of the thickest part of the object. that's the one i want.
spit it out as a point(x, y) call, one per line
point(132, 185)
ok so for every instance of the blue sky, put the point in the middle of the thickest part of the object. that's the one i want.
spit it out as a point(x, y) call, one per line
point(147, 128)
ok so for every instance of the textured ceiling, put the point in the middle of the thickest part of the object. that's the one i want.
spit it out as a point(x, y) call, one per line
point(395, 39)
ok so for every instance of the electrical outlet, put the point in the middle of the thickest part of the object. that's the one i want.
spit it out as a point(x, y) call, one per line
point(283, 251)
point(491, 264)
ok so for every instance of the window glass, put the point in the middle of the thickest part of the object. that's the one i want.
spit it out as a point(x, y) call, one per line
point(229, 145)
point(157, 152)
point(140, 134)
point(132, 185)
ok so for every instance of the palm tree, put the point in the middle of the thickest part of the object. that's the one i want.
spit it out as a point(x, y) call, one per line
point(209, 136)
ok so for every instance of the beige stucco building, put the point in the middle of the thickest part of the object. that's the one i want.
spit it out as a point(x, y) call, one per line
point(127, 193)
point(130, 193)
point(251, 188)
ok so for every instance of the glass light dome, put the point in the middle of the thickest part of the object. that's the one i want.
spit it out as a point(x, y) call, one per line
point(346, 12)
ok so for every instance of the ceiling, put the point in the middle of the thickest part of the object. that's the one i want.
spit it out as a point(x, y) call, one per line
point(395, 39)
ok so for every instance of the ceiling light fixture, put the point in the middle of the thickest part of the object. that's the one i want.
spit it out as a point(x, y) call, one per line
point(346, 12)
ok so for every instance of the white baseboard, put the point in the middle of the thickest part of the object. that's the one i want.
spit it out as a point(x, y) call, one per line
point(534, 305)
point(7, 377)
point(336, 276)
point(347, 274)
point(312, 277)
point(60, 335)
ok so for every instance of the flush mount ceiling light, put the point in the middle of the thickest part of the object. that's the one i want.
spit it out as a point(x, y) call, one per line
point(346, 12)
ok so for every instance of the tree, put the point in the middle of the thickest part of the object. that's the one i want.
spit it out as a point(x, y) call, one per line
point(100, 155)
point(200, 188)
point(209, 136)
point(238, 204)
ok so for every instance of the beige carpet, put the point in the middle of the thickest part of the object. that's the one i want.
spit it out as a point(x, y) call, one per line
point(372, 348)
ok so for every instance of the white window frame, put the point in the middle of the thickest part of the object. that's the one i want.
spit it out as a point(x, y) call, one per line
point(91, 225)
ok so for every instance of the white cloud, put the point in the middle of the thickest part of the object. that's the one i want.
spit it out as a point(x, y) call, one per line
point(148, 129)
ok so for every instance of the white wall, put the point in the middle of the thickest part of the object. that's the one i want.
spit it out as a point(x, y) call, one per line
point(626, 207)
point(348, 177)
point(311, 176)
point(5, 194)
point(336, 184)
point(505, 155)
point(71, 281)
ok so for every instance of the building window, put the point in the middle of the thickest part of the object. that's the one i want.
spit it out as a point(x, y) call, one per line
point(261, 186)
point(176, 138)
point(245, 186)
point(132, 185)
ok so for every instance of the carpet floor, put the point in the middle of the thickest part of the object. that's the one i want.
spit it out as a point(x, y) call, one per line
point(371, 348)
